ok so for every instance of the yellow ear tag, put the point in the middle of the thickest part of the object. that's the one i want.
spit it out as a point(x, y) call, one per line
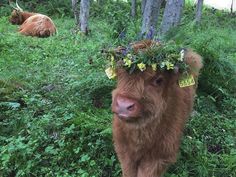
point(186, 80)
point(110, 72)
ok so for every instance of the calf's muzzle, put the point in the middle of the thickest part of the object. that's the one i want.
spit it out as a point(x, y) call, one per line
point(126, 108)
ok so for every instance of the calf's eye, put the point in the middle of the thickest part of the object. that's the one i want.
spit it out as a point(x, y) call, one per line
point(157, 81)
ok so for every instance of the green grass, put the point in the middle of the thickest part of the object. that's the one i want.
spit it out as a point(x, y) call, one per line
point(53, 87)
point(55, 117)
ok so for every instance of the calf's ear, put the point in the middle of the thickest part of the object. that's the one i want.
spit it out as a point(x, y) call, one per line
point(194, 61)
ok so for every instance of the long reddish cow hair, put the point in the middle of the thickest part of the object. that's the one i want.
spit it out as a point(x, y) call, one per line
point(32, 24)
point(150, 111)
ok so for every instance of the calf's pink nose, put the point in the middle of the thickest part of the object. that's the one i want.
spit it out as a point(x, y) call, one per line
point(125, 107)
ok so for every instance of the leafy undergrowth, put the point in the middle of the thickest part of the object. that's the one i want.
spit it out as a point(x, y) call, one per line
point(55, 117)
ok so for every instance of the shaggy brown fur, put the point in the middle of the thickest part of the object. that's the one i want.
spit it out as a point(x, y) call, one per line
point(147, 135)
point(33, 24)
point(137, 46)
point(144, 44)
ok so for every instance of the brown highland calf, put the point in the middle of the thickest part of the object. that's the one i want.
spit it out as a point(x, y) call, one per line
point(32, 24)
point(150, 111)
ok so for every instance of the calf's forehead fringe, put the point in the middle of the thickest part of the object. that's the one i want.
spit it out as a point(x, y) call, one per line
point(145, 75)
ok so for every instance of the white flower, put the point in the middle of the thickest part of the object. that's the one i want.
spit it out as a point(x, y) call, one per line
point(181, 55)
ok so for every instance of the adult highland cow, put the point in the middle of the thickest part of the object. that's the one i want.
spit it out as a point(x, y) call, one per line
point(32, 24)
point(153, 99)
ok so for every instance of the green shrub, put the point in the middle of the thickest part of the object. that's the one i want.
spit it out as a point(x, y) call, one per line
point(53, 7)
point(216, 46)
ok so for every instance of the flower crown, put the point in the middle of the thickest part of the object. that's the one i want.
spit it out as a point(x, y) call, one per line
point(143, 54)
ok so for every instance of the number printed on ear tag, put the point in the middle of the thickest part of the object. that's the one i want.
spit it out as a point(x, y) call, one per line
point(111, 74)
point(186, 80)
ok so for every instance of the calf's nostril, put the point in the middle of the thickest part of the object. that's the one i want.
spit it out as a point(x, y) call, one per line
point(131, 107)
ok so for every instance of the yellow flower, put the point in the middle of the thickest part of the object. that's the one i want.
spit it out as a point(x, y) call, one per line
point(168, 65)
point(154, 67)
point(141, 66)
point(111, 74)
point(112, 58)
point(113, 61)
point(129, 56)
point(128, 62)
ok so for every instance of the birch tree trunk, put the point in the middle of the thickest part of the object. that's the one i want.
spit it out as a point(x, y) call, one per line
point(75, 11)
point(84, 15)
point(199, 11)
point(133, 8)
point(150, 18)
point(172, 15)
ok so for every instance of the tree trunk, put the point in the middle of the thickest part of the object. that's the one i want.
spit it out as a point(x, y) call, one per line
point(199, 11)
point(150, 18)
point(172, 15)
point(232, 7)
point(75, 11)
point(133, 8)
point(143, 6)
point(84, 15)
